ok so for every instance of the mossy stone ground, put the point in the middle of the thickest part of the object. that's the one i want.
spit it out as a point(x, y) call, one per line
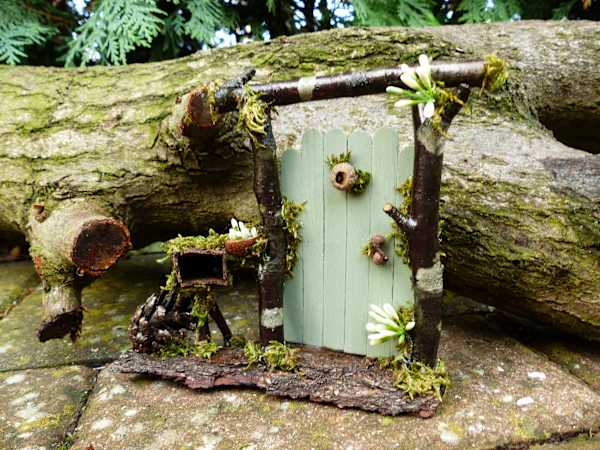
point(16, 280)
point(504, 392)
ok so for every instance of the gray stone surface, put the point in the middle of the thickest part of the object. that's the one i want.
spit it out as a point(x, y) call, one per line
point(16, 280)
point(587, 441)
point(502, 393)
point(580, 358)
point(38, 406)
point(109, 302)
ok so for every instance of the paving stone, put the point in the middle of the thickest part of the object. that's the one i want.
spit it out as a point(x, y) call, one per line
point(38, 406)
point(109, 302)
point(16, 280)
point(580, 358)
point(585, 441)
point(502, 393)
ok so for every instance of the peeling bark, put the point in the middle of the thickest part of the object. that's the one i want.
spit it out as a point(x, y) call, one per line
point(521, 211)
point(346, 381)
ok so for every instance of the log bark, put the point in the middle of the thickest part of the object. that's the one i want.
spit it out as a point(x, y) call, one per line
point(521, 210)
point(346, 381)
point(73, 243)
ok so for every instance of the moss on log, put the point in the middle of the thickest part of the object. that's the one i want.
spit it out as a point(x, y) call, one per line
point(521, 210)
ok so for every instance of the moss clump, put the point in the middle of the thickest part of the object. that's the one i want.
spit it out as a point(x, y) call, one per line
point(185, 348)
point(290, 211)
point(202, 303)
point(276, 356)
point(496, 73)
point(237, 341)
point(253, 114)
point(420, 379)
point(213, 241)
point(400, 238)
point(363, 178)
point(253, 353)
point(332, 160)
point(368, 249)
point(206, 349)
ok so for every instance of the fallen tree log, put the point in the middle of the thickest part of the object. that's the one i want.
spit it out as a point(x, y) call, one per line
point(521, 210)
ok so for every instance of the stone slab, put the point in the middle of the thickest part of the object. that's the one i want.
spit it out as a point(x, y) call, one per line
point(502, 393)
point(580, 358)
point(38, 407)
point(16, 280)
point(109, 302)
point(587, 441)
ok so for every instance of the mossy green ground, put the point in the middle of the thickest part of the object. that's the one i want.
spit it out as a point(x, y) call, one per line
point(493, 400)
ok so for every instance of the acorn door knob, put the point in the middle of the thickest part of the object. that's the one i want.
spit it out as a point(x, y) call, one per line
point(378, 256)
point(343, 176)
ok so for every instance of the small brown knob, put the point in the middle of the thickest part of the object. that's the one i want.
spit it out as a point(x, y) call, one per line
point(343, 176)
point(378, 240)
point(378, 257)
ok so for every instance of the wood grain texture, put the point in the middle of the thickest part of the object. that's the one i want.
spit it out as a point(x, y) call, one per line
point(293, 187)
point(324, 376)
point(357, 264)
point(333, 247)
point(335, 242)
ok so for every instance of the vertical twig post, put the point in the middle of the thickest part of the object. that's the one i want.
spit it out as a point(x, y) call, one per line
point(422, 230)
point(272, 271)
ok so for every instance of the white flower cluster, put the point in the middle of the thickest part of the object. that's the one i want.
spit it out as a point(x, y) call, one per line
point(238, 231)
point(389, 325)
point(423, 87)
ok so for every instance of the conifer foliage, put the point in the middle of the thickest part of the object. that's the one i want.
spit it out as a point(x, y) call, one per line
point(83, 32)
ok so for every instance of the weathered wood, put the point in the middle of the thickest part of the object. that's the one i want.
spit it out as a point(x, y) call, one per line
point(520, 209)
point(73, 241)
point(421, 226)
point(272, 271)
point(324, 377)
point(323, 88)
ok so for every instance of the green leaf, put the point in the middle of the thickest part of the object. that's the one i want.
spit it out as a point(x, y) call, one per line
point(562, 11)
point(477, 11)
point(20, 28)
point(414, 13)
point(115, 28)
point(207, 16)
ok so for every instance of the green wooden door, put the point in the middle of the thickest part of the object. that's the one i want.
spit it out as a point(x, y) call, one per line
point(326, 303)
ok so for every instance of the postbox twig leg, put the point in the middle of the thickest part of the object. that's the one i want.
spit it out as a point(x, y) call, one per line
point(217, 316)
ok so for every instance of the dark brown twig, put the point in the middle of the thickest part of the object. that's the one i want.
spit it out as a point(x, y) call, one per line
point(271, 274)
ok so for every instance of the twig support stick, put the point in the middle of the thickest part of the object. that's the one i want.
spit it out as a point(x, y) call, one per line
point(422, 227)
point(271, 273)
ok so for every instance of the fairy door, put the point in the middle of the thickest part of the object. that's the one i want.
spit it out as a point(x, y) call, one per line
point(326, 303)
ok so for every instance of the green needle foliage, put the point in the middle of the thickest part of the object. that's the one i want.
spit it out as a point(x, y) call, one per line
point(20, 28)
point(58, 32)
point(115, 28)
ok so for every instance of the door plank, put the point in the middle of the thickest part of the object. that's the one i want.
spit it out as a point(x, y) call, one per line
point(294, 188)
point(357, 264)
point(313, 168)
point(334, 307)
point(381, 278)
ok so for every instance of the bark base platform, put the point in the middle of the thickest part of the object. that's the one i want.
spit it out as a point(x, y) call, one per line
point(324, 376)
